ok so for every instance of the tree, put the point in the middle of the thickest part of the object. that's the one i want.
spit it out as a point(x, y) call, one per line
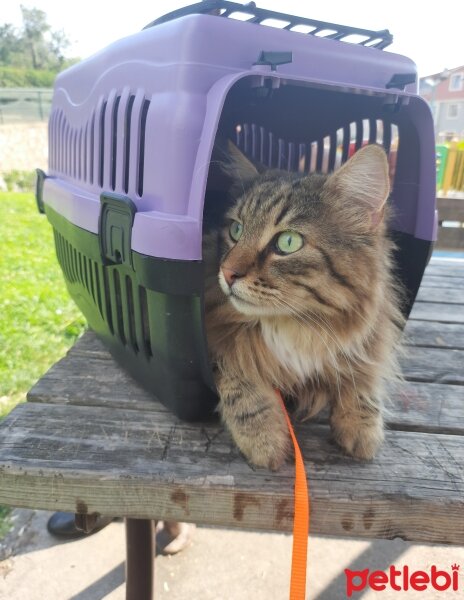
point(35, 28)
point(8, 44)
point(35, 45)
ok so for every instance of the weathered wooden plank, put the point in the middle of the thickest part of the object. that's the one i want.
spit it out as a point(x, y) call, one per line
point(78, 380)
point(432, 407)
point(417, 332)
point(446, 262)
point(442, 281)
point(426, 407)
point(445, 268)
point(438, 365)
point(432, 334)
point(438, 311)
point(91, 346)
point(88, 375)
point(106, 384)
point(422, 407)
point(122, 463)
point(100, 382)
point(436, 294)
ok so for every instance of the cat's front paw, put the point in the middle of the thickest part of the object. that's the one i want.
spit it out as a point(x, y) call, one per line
point(256, 421)
point(269, 450)
point(271, 458)
point(360, 439)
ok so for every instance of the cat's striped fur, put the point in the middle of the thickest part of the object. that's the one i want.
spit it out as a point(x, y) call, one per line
point(320, 324)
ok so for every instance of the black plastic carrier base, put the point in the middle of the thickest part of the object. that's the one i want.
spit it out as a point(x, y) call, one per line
point(149, 316)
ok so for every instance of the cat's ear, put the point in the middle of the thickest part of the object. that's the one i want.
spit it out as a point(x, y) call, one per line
point(236, 165)
point(363, 184)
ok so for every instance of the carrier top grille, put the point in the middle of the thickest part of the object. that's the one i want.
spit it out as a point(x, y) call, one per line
point(252, 14)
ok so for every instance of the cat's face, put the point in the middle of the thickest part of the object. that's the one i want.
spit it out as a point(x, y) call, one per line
point(298, 245)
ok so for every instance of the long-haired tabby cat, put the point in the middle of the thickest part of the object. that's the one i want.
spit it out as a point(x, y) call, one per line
point(300, 297)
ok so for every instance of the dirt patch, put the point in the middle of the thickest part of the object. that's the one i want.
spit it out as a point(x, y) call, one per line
point(23, 146)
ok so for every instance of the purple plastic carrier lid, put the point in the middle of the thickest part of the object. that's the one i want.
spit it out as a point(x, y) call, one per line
point(140, 118)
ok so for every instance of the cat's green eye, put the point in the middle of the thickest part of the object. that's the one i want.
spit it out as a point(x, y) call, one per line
point(289, 242)
point(235, 230)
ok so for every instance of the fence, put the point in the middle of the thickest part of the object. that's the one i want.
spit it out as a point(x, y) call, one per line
point(22, 105)
point(450, 168)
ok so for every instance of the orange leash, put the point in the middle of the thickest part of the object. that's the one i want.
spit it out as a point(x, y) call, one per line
point(300, 519)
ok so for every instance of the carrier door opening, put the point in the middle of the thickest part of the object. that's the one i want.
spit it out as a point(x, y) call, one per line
point(306, 129)
point(296, 128)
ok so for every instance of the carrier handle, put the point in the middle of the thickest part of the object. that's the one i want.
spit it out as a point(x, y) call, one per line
point(224, 8)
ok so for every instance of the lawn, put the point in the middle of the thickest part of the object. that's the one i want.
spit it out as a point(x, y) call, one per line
point(39, 321)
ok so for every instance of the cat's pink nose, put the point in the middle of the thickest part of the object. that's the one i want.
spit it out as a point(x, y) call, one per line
point(230, 275)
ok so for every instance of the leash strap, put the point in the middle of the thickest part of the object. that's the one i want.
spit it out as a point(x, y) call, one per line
point(300, 519)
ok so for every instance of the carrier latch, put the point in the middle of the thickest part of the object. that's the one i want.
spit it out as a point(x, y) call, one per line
point(274, 59)
point(39, 183)
point(401, 80)
point(115, 228)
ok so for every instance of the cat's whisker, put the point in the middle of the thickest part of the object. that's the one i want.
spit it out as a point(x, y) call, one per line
point(298, 318)
point(339, 346)
point(305, 312)
point(348, 360)
point(345, 356)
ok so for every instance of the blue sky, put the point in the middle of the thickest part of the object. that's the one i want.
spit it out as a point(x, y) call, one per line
point(92, 24)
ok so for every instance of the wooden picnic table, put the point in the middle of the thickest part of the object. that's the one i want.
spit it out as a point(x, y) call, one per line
point(90, 440)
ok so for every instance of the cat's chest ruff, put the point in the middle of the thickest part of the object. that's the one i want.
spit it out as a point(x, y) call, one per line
point(292, 345)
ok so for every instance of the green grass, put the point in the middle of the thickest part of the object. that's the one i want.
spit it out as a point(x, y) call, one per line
point(38, 320)
point(5, 521)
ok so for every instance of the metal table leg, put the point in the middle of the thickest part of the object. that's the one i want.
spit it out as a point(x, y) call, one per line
point(140, 559)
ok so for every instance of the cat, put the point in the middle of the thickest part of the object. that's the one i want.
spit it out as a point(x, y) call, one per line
point(300, 297)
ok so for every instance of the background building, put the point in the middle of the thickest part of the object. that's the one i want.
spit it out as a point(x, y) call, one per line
point(445, 94)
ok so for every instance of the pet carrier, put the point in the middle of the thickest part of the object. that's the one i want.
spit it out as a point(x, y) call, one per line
point(131, 135)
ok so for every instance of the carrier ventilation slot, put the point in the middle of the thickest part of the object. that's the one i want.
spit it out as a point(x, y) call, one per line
point(91, 147)
point(141, 154)
point(64, 150)
point(114, 141)
point(131, 314)
point(108, 307)
point(145, 320)
point(97, 269)
point(79, 156)
point(81, 153)
point(84, 152)
point(79, 269)
point(119, 306)
point(120, 301)
point(101, 142)
point(73, 153)
point(323, 155)
point(127, 145)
